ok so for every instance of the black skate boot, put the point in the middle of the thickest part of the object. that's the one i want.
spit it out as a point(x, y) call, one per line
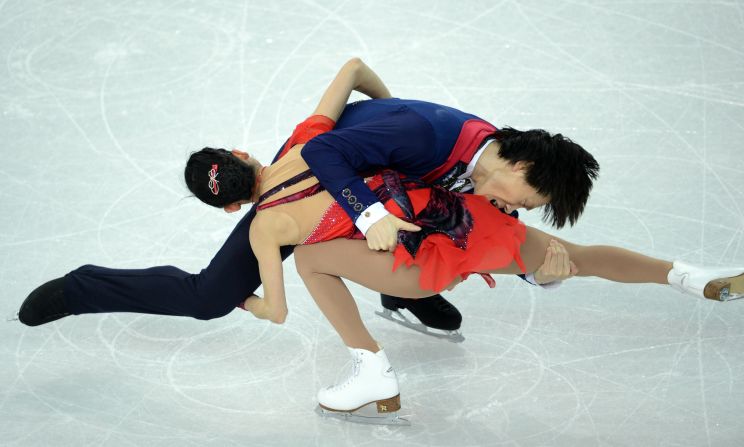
point(433, 312)
point(45, 304)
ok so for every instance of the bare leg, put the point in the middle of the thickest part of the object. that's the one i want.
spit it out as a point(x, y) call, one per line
point(345, 259)
point(335, 301)
point(612, 263)
point(322, 265)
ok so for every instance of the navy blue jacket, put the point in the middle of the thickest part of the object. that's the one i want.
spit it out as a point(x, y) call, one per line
point(411, 137)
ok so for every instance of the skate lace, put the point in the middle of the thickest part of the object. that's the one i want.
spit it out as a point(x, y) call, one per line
point(355, 366)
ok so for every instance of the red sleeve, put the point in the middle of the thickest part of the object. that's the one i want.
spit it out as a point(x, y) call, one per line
point(307, 130)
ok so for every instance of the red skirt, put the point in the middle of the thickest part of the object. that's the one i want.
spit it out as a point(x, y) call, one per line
point(492, 243)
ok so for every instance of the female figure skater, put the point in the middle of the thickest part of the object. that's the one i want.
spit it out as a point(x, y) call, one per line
point(450, 236)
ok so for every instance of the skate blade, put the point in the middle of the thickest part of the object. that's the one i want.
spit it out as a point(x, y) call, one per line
point(397, 317)
point(725, 289)
point(13, 318)
point(363, 416)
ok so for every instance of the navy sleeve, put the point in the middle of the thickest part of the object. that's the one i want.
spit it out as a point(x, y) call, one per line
point(401, 140)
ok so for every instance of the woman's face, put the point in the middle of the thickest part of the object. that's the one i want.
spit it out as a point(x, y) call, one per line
point(508, 189)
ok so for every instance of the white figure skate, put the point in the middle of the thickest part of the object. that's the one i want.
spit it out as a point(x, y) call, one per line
point(719, 284)
point(370, 395)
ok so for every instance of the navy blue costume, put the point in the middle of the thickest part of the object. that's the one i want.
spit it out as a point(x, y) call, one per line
point(415, 138)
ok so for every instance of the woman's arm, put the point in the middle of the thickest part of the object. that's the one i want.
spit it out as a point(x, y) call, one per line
point(266, 236)
point(354, 75)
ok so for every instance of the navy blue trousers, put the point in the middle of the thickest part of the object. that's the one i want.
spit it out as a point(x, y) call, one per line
point(230, 277)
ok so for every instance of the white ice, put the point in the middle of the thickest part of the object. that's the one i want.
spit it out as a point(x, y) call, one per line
point(102, 102)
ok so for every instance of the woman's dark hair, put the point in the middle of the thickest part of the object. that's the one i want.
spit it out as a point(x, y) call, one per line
point(218, 178)
point(557, 168)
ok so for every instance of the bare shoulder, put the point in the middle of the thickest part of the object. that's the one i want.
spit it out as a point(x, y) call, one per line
point(274, 227)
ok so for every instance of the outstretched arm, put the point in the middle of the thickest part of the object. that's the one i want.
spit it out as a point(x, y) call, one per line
point(354, 75)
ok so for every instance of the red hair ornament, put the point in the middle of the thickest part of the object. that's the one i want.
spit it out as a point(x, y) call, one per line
point(214, 184)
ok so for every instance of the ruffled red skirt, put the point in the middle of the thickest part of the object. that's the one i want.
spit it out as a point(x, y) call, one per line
point(493, 243)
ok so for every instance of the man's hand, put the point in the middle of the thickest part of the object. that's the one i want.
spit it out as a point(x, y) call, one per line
point(557, 265)
point(383, 234)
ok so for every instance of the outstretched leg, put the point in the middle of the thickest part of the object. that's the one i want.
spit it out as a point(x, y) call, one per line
point(321, 266)
point(620, 265)
point(612, 263)
point(354, 261)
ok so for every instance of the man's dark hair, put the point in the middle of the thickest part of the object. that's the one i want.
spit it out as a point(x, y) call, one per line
point(557, 168)
point(218, 178)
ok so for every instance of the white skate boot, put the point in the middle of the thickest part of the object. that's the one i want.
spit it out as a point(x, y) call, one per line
point(372, 381)
point(719, 284)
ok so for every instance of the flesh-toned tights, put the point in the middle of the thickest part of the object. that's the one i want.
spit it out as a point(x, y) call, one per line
point(322, 266)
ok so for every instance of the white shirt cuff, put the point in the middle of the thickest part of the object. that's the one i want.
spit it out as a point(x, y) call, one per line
point(370, 216)
point(530, 278)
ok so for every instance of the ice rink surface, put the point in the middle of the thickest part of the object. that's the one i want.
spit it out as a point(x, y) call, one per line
point(103, 101)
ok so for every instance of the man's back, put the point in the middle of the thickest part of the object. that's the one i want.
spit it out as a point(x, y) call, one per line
point(446, 122)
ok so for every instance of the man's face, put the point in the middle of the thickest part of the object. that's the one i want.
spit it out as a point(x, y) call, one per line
point(509, 190)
